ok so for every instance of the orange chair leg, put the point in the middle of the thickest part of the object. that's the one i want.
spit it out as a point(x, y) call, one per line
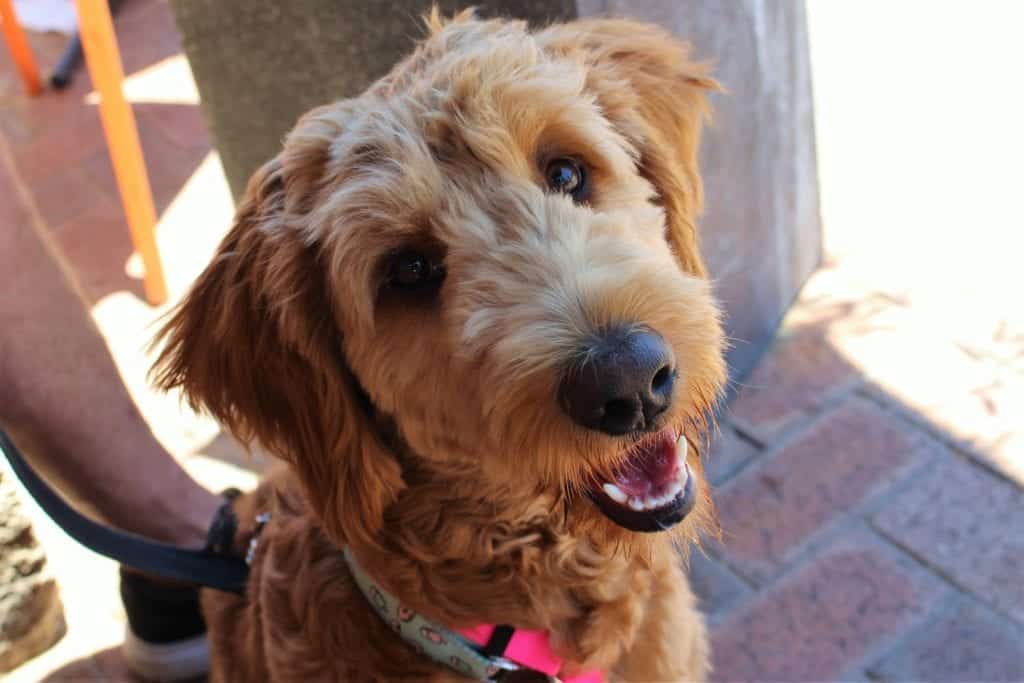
point(100, 46)
point(19, 48)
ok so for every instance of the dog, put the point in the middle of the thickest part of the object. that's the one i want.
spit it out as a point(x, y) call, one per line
point(468, 313)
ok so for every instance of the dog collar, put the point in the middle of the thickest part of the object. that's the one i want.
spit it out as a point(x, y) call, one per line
point(487, 652)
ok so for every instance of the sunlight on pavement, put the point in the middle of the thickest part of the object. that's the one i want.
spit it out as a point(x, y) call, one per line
point(169, 81)
point(187, 234)
point(918, 120)
point(190, 229)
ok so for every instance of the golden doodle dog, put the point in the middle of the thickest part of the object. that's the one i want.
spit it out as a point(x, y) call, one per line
point(468, 311)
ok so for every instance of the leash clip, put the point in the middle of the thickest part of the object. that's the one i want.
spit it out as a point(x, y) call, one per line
point(261, 521)
point(511, 672)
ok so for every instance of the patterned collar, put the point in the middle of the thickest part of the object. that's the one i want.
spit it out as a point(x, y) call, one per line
point(489, 653)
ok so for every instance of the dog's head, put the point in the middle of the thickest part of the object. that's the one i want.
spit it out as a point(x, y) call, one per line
point(482, 271)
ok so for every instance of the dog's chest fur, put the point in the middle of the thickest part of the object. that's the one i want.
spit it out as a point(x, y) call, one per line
point(591, 603)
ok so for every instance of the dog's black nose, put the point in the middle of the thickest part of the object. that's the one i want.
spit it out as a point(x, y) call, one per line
point(621, 383)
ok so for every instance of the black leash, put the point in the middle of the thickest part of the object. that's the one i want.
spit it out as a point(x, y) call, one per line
point(202, 567)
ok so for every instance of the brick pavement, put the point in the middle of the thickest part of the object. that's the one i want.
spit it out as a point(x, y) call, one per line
point(868, 474)
point(859, 545)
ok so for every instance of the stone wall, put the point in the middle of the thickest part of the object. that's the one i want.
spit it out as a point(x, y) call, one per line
point(31, 615)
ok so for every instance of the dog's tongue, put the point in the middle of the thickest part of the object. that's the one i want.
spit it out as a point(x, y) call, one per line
point(650, 469)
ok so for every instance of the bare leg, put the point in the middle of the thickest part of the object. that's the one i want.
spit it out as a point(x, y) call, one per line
point(62, 400)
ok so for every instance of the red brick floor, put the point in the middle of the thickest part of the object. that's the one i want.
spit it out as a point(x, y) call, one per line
point(868, 475)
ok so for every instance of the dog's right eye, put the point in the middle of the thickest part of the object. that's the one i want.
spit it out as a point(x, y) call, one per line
point(567, 176)
point(414, 270)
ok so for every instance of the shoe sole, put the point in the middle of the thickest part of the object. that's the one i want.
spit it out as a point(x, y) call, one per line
point(167, 662)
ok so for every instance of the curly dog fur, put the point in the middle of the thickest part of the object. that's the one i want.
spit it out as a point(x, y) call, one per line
point(423, 430)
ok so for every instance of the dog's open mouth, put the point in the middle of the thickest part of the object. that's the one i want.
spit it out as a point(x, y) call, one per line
point(653, 490)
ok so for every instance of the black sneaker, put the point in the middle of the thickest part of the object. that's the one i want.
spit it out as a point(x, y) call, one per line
point(165, 639)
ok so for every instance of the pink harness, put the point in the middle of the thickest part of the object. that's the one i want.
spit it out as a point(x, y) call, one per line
point(531, 649)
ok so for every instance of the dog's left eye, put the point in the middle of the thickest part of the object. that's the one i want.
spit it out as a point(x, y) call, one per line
point(410, 269)
point(567, 176)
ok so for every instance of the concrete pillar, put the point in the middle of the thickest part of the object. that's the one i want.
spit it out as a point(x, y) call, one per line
point(761, 231)
point(260, 64)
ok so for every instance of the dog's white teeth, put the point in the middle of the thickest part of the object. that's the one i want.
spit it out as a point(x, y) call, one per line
point(684, 477)
point(648, 502)
point(674, 489)
point(640, 504)
point(615, 493)
point(682, 446)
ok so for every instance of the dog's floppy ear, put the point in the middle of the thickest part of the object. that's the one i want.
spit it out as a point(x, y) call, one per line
point(647, 85)
point(255, 342)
